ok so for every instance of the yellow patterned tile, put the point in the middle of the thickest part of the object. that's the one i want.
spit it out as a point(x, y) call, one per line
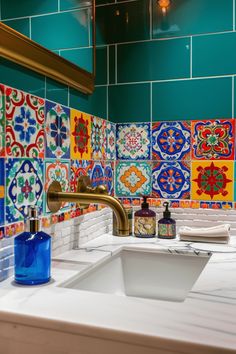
point(80, 135)
point(212, 180)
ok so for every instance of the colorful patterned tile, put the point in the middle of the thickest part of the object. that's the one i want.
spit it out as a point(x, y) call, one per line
point(79, 168)
point(24, 187)
point(2, 120)
point(171, 141)
point(80, 135)
point(57, 170)
point(133, 141)
point(97, 174)
point(212, 180)
point(171, 180)
point(110, 141)
point(24, 124)
point(2, 190)
point(213, 139)
point(57, 128)
point(97, 138)
point(133, 179)
point(108, 179)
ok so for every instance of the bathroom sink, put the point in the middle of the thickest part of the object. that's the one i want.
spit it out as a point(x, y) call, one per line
point(145, 273)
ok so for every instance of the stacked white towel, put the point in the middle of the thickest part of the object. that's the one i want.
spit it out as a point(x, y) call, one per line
point(216, 234)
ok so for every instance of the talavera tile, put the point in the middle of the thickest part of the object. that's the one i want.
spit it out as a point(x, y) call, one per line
point(80, 135)
point(24, 124)
point(171, 141)
point(24, 187)
point(57, 170)
point(213, 139)
point(57, 128)
point(108, 178)
point(171, 180)
point(79, 168)
point(212, 180)
point(133, 141)
point(2, 190)
point(133, 179)
point(97, 174)
point(2, 121)
point(97, 138)
point(110, 141)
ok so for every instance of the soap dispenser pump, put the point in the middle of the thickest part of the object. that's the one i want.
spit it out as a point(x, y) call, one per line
point(32, 253)
point(166, 225)
point(145, 221)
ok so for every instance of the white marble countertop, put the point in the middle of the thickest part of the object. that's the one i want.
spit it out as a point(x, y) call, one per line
point(79, 321)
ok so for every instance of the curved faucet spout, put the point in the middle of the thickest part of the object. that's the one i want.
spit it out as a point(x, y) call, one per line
point(55, 197)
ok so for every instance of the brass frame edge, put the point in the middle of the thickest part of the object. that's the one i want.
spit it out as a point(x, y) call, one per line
point(18, 48)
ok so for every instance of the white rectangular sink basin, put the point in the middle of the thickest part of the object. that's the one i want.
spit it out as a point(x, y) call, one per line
point(145, 273)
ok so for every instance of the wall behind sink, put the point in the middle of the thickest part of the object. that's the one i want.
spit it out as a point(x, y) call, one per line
point(171, 89)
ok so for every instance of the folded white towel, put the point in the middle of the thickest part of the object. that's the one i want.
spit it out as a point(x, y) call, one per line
point(216, 234)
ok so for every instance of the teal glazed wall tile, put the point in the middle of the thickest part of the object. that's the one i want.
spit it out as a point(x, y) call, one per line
point(124, 22)
point(75, 35)
point(83, 57)
point(214, 54)
point(112, 64)
point(16, 8)
point(129, 103)
point(94, 104)
point(193, 17)
point(101, 66)
point(21, 25)
point(192, 99)
point(71, 5)
point(155, 60)
point(57, 92)
point(19, 77)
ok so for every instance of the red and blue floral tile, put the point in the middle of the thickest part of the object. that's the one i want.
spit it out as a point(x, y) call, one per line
point(79, 168)
point(24, 124)
point(212, 180)
point(57, 128)
point(2, 190)
point(133, 179)
point(171, 180)
point(97, 174)
point(171, 140)
point(110, 140)
point(133, 141)
point(213, 139)
point(2, 120)
point(57, 170)
point(108, 176)
point(24, 187)
point(98, 138)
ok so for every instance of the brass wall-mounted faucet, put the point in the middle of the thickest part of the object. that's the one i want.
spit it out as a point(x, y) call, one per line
point(86, 195)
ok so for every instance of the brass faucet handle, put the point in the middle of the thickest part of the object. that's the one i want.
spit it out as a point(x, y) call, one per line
point(84, 186)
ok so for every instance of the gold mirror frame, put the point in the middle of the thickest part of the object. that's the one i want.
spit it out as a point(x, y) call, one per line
point(18, 48)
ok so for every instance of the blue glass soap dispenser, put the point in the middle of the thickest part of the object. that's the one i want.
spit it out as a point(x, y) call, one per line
point(32, 253)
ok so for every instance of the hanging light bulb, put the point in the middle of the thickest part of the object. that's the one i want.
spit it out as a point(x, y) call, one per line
point(164, 5)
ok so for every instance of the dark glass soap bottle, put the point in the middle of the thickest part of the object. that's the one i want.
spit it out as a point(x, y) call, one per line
point(166, 225)
point(32, 253)
point(145, 221)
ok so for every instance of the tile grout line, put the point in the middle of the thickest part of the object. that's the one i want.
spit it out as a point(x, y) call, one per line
point(191, 57)
point(30, 28)
point(115, 64)
point(233, 80)
point(171, 80)
point(234, 15)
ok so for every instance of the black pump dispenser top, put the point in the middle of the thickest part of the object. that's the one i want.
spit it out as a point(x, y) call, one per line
point(145, 204)
point(166, 213)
